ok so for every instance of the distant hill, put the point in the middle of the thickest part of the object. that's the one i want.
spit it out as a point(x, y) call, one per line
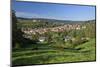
point(52, 20)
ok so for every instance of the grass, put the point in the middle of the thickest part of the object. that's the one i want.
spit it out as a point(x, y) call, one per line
point(82, 52)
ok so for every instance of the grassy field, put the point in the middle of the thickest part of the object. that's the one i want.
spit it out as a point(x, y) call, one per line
point(46, 54)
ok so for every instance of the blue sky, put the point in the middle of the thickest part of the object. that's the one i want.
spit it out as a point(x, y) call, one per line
point(53, 11)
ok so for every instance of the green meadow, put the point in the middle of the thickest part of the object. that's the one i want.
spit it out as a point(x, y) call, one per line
point(46, 54)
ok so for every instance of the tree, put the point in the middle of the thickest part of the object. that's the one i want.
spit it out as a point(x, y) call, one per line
point(16, 33)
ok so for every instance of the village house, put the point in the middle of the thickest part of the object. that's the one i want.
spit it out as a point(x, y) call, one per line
point(67, 38)
point(42, 39)
point(54, 29)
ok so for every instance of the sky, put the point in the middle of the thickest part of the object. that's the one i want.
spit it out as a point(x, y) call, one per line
point(53, 11)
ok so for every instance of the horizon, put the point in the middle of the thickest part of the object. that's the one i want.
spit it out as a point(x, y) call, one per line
point(56, 19)
point(54, 11)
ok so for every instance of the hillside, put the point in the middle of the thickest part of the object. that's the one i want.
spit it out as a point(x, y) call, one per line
point(50, 55)
point(51, 20)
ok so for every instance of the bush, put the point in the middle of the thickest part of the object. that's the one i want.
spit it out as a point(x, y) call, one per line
point(79, 41)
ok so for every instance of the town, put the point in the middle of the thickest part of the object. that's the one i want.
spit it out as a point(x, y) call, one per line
point(66, 27)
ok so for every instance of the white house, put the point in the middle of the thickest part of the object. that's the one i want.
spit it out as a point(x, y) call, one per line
point(42, 39)
point(66, 38)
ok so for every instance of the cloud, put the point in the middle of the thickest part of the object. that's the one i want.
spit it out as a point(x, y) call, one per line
point(34, 15)
point(27, 15)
